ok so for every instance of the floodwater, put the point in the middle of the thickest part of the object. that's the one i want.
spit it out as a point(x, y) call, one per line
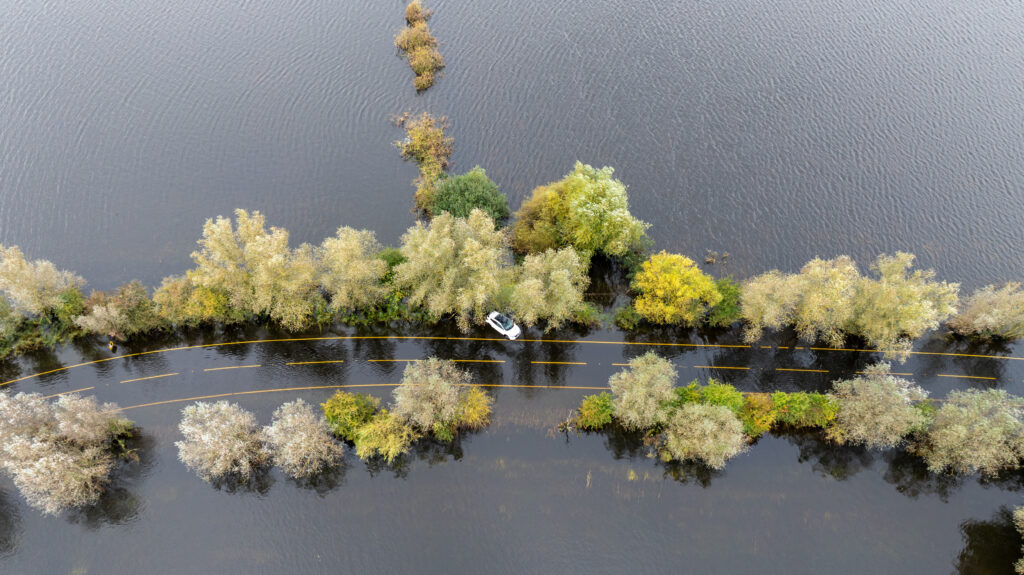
point(775, 131)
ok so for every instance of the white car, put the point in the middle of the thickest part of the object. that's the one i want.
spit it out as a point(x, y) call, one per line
point(504, 325)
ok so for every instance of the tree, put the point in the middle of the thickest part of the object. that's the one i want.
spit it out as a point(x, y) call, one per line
point(992, 313)
point(221, 439)
point(430, 396)
point(459, 195)
point(300, 443)
point(1018, 522)
point(877, 409)
point(825, 308)
point(587, 209)
point(711, 434)
point(454, 265)
point(549, 286)
point(347, 412)
point(640, 390)
point(768, 300)
point(976, 431)
point(671, 289)
point(727, 311)
point(386, 435)
point(180, 302)
point(257, 270)
point(126, 313)
point(351, 271)
point(34, 287)
point(900, 306)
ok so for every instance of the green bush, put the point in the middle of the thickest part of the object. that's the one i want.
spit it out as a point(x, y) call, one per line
point(627, 318)
point(458, 195)
point(804, 409)
point(595, 411)
point(347, 412)
point(386, 435)
point(727, 311)
point(715, 393)
point(758, 414)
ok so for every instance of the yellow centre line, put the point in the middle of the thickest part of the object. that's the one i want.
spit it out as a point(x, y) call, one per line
point(719, 367)
point(478, 360)
point(231, 367)
point(886, 373)
point(965, 376)
point(623, 364)
point(803, 370)
point(67, 392)
point(312, 362)
point(150, 377)
point(391, 360)
point(561, 362)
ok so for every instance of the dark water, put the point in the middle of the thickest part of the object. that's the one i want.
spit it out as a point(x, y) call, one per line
point(775, 131)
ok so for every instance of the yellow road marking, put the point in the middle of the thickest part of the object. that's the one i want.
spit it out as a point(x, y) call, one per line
point(965, 376)
point(231, 367)
point(805, 370)
point(562, 362)
point(622, 364)
point(719, 367)
point(479, 360)
point(312, 362)
point(766, 347)
point(390, 360)
point(887, 373)
point(150, 377)
point(783, 347)
point(67, 392)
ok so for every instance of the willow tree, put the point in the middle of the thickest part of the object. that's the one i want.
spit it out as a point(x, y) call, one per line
point(549, 286)
point(992, 312)
point(125, 313)
point(435, 396)
point(976, 431)
point(710, 434)
point(220, 439)
point(300, 442)
point(256, 269)
point(877, 409)
point(640, 390)
point(351, 271)
point(672, 289)
point(34, 287)
point(768, 301)
point(454, 266)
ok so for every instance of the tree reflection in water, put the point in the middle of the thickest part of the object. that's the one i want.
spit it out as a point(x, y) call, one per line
point(119, 503)
point(10, 525)
point(990, 547)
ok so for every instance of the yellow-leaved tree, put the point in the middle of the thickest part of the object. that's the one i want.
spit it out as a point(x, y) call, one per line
point(673, 290)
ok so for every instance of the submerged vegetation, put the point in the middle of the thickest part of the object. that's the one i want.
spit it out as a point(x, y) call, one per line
point(419, 46)
point(426, 144)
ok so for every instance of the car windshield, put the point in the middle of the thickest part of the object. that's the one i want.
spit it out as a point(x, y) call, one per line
point(505, 322)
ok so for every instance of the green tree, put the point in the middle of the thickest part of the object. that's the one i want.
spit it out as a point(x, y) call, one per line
point(347, 412)
point(727, 311)
point(549, 286)
point(458, 195)
point(768, 301)
point(587, 209)
point(454, 265)
point(126, 313)
point(877, 409)
point(351, 271)
point(976, 431)
point(711, 434)
point(992, 313)
point(671, 289)
point(640, 390)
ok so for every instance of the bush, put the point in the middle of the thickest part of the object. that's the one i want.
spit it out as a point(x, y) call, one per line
point(640, 390)
point(549, 286)
point(758, 414)
point(431, 395)
point(426, 144)
point(33, 287)
point(415, 36)
point(595, 411)
point(804, 409)
point(992, 313)
point(711, 434)
point(627, 318)
point(877, 409)
point(727, 311)
point(386, 435)
point(976, 431)
point(415, 12)
point(60, 455)
point(458, 195)
point(128, 312)
point(346, 412)
point(184, 304)
point(351, 270)
point(221, 440)
point(671, 289)
point(300, 442)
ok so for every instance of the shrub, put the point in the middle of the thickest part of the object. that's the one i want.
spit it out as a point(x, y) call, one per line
point(727, 311)
point(458, 195)
point(768, 300)
point(1018, 522)
point(128, 312)
point(415, 36)
point(351, 271)
point(415, 12)
point(386, 435)
point(221, 439)
point(671, 289)
point(454, 265)
point(182, 303)
point(992, 313)
point(976, 431)
point(430, 396)
point(587, 209)
point(627, 318)
point(716, 393)
point(804, 409)
point(758, 414)
point(426, 144)
point(877, 409)
point(346, 412)
point(300, 442)
point(595, 411)
point(474, 408)
point(425, 60)
point(711, 434)
point(640, 390)
point(549, 286)
point(59, 455)
point(33, 287)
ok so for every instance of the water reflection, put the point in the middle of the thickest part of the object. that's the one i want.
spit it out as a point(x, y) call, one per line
point(909, 474)
point(990, 547)
point(119, 503)
point(828, 459)
point(324, 482)
point(10, 525)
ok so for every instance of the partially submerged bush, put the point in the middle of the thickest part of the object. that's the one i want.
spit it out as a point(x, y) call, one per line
point(221, 440)
point(549, 286)
point(416, 41)
point(458, 195)
point(711, 434)
point(727, 311)
point(347, 412)
point(804, 409)
point(386, 435)
point(640, 390)
point(300, 443)
point(60, 455)
point(672, 289)
point(126, 313)
point(758, 414)
point(433, 396)
point(351, 271)
point(595, 411)
point(992, 313)
point(415, 12)
point(426, 144)
point(474, 408)
point(877, 409)
point(976, 431)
